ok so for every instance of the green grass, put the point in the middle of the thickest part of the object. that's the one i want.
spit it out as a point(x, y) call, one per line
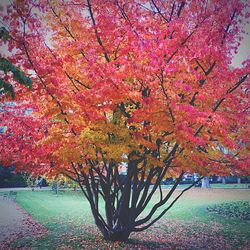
point(68, 218)
point(55, 211)
point(233, 185)
point(215, 185)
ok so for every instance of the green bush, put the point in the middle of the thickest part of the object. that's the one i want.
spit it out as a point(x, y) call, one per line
point(238, 209)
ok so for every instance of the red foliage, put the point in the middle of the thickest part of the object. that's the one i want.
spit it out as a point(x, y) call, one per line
point(115, 77)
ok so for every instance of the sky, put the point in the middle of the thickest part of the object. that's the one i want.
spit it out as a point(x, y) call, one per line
point(244, 49)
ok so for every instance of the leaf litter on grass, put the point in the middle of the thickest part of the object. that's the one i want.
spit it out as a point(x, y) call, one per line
point(168, 234)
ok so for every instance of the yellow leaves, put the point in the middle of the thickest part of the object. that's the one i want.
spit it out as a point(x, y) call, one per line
point(116, 151)
point(213, 152)
point(117, 117)
point(92, 135)
point(68, 154)
point(59, 118)
point(56, 137)
point(112, 139)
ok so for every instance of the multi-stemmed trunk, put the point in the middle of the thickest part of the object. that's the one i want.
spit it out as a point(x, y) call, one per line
point(125, 196)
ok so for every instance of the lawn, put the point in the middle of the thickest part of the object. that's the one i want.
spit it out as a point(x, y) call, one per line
point(188, 225)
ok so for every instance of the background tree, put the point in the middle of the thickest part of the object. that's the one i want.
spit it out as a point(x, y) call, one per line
point(6, 67)
point(205, 182)
point(147, 84)
point(8, 178)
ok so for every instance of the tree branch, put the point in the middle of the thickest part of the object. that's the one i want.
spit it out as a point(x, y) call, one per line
point(164, 211)
point(96, 32)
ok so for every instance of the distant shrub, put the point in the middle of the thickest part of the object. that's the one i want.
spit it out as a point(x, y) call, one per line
point(237, 209)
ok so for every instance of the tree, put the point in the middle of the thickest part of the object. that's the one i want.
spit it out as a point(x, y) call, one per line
point(8, 178)
point(6, 66)
point(142, 84)
point(205, 182)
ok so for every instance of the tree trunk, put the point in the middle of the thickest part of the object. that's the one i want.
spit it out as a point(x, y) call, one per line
point(119, 235)
point(223, 180)
point(115, 232)
point(126, 199)
point(238, 180)
point(205, 182)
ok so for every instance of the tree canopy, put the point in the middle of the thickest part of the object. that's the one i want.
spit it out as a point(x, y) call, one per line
point(143, 83)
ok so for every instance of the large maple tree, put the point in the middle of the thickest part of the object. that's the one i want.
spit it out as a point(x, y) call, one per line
point(147, 84)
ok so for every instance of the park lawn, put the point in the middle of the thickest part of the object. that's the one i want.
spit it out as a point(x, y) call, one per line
point(232, 185)
point(214, 185)
point(187, 225)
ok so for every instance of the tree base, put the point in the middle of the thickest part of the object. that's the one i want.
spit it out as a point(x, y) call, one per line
point(121, 236)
